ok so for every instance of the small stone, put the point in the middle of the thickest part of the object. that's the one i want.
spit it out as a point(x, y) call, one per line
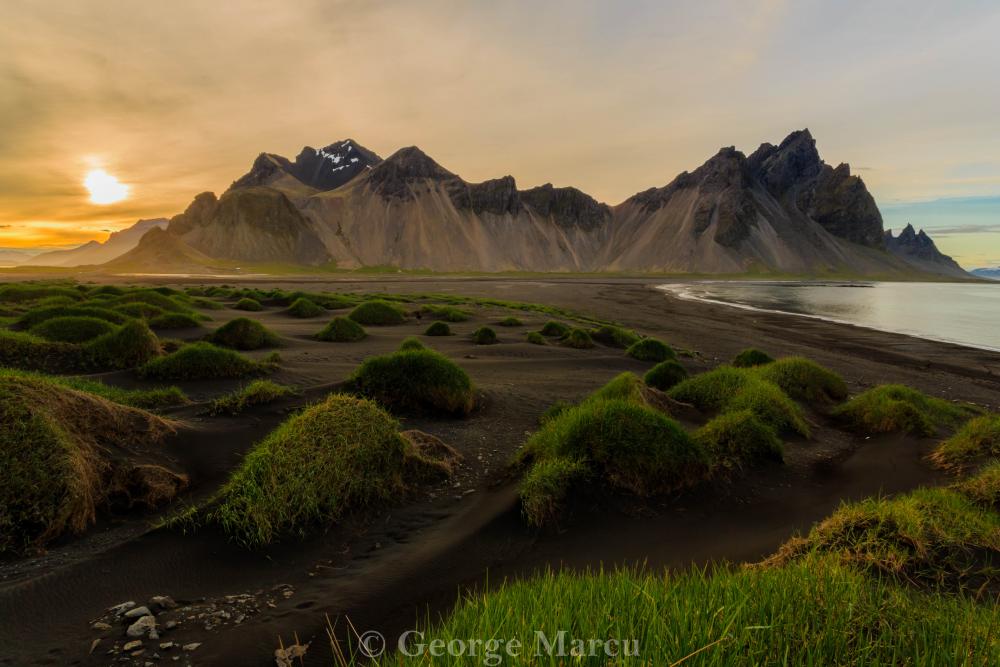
point(193, 646)
point(120, 609)
point(136, 654)
point(131, 646)
point(170, 625)
point(163, 602)
point(138, 612)
point(94, 644)
point(100, 626)
point(145, 625)
point(166, 646)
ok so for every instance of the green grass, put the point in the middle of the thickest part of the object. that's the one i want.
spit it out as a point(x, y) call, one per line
point(25, 292)
point(578, 339)
point(739, 439)
point(977, 439)
point(342, 330)
point(415, 380)
point(342, 455)
point(244, 333)
point(484, 336)
point(411, 343)
point(147, 399)
point(125, 347)
point(206, 304)
point(34, 317)
point(248, 304)
point(139, 311)
point(201, 361)
point(304, 308)
point(665, 375)
point(535, 338)
point(625, 445)
point(446, 313)
point(554, 329)
point(984, 488)
point(510, 322)
point(814, 612)
point(438, 329)
point(258, 392)
point(615, 336)
point(894, 407)
point(751, 357)
point(804, 380)
point(727, 389)
point(377, 313)
point(153, 298)
point(650, 349)
point(78, 329)
point(174, 321)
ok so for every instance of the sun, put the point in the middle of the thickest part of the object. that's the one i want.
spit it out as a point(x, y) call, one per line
point(104, 188)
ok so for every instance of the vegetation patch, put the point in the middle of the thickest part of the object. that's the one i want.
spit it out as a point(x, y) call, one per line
point(894, 407)
point(258, 392)
point(377, 313)
point(411, 343)
point(438, 329)
point(734, 440)
point(978, 439)
point(615, 336)
point(124, 347)
point(206, 304)
point(554, 329)
point(147, 399)
point(535, 338)
point(510, 322)
point(665, 375)
point(244, 333)
point(650, 349)
point(153, 298)
point(304, 308)
point(248, 304)
point(35, 317)
point(416, 380)
point(201, 361)
point(446, 313)
point(484, 336)
point(342, 455)
point(577, 339)
point(804, 380)
point(139, 311)
point(77, 329)
point(751, 357)
point(174, 321)
point(24, 292)
point(984, 488)
point(342, 330)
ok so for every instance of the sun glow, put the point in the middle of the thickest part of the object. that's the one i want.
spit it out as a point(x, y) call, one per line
point(104, 188)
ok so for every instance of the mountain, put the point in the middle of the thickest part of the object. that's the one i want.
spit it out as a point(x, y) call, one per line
point(95, 252)
point(159, 251)
point(991, 274)
point(15, 256)
point(781, 209)
point(918, 250)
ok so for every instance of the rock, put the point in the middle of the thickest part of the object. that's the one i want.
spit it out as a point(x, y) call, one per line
point(142, 627)
point(166, 646)
point(131, 646)
point(193, 646)
point(100, 626)
point(120, 609)
point(138, 612)
point(93, 645)
point(163, 602)
point(170, 625)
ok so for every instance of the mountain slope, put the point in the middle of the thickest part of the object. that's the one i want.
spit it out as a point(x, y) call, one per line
point(991, 274)
point(95, 252)
point(918, 250)
point(159, 251)
point(314, 169)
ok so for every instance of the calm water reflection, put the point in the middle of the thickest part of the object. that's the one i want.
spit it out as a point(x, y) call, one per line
point(960, 313)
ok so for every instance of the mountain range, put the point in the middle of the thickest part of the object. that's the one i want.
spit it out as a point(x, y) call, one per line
point(781, 209)
point(95, 252)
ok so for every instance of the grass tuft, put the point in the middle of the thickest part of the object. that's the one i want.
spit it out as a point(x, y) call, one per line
point(304, 308)
point(535, 338)
point(554, 329)
point(976, 440)
point(174, 321)
point(577, 339)
point(445, 313)
point(72, 329)
point(201, 361)
point(244, 333)
point(258, 392)
point(342, 330)
point(894, 407)
point(615, 336)
point(415, 380)
point(510, 322)
point(650, 349)
point(377, 313)
point(804, 380)
point(737, 439)
point(438, 329)
point(249, 305)
point(751, 357)
point(484, 336)
point(411, 343)
point(665, 375)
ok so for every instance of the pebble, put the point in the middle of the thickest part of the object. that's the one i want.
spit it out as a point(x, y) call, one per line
point(166, 646)
point(170, 625)
point(120, 609)
point(98, 625)
point(163, 602)
point(145, 625)
point(193, 646)
point(131, 646)
point(138, 612)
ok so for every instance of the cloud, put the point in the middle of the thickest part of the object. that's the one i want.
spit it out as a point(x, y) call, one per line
point(964, 229)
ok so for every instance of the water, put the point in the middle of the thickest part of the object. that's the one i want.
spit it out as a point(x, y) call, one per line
point(968, 314)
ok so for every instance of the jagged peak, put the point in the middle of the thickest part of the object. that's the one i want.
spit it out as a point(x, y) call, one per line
point(411, 162)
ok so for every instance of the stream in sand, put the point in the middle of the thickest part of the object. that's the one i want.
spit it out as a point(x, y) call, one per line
point(963, 313)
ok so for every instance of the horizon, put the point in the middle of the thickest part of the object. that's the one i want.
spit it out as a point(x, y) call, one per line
point(583, 96)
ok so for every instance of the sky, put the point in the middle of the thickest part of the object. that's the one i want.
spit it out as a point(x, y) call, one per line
point(179, 97)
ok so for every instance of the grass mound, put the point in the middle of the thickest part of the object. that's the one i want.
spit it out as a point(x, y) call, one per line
point(249, 305)
point(258, 392)
point(894, 407)
point(35, 317)
point(554, 329)
point(577, 339)
point(342, 330)
point(206, 304)
point(24, 292)
point(72, 329)
point(535, 338)
point(804, 380)
point(125, 347)
point(937, 537)
point(419, 380)
point(484, 336)
point(304, 308)
point(615, 336)
point(751, 357)
point(446, 313)
point(727, 389)
point(627, 446)
point(978, 439)
point(139, 311)
point(62, 458)
point(510, 322)
point(411, 343)
point(438, 329)
point(377, 313)
point(984, 488)
point(244, 333)
point(130, 345)
point(147, 399)
point(201, 361)
point(737, 439)
point(174, 321)
point(154, 298)
point(342, 455)
point(650, 349)
point(665, 375)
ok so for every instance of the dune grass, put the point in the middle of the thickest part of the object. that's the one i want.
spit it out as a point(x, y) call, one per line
point(206, 304)
point(415, 380)
point(650, 349)
point(124, 347)
point(411, 343)
point(977, 439)
point(304, 308)
point(258, 392)
point(174, 321)
point(535, 338)
point(737, 439)
point(554, 329)
point(244, 333)
point(984, 488)
point(146, 399)
point(484, 336)
point(804, 380)
point(72, 329)
point(445, 313)
point(34, 317)
point(894, 407)
point(139, 311)
point(377, 313)
point(615, 336)
point(751, 357)
point(25, 292)
point(201, 361)
point(578, 339)
point(342, 330)
point(154, 298)
point(510, 322)
point(438, 328)
point(665, 375)
point(249, 305)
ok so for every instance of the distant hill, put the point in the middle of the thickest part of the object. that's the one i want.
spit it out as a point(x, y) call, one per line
point(15, 256)
point(992, 274)
point(95, 252)
point(160, 252)
point(781, 209)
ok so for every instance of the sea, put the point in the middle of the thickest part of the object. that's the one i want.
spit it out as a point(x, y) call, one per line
point(963, 313)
